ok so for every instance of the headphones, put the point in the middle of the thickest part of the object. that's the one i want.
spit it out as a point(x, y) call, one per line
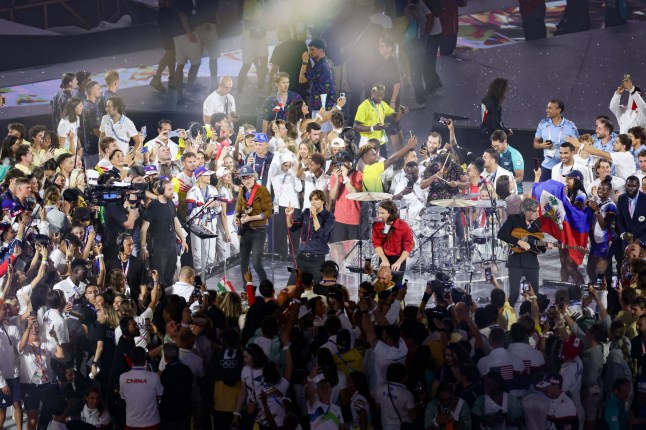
point(121, 238)
point(332, 263)
point(161, 186)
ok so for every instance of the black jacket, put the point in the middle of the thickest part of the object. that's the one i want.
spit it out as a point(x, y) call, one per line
point(527, 260)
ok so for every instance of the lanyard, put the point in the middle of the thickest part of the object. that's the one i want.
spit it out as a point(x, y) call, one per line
point(561, 169)
point(4, 330)
point(378, 110)
point(114, 131)
point(549, 133)
point(125, 269)
point(262, 169)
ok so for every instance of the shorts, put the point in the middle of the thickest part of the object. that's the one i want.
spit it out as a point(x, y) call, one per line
point(253, 48)
point(208, 35)
point(32, 395)
point(326, 127)
point(601, 250)
point(185, 50)
point(7, 400)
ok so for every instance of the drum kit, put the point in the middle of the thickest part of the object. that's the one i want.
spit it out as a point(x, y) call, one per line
point(450, 235)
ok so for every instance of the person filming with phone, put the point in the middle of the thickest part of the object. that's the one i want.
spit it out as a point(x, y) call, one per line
point(392, 239)
point(315, 224)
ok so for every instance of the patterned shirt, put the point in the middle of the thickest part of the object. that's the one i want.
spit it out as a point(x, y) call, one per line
point(322, 81)
point(440, 189)
point(272, 102)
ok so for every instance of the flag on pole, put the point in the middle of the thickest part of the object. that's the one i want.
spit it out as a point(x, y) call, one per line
point(278, 107)
point(224, 286)
point(559, 218)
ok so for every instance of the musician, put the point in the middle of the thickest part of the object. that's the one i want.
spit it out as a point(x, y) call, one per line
point(525, 263)
point(444, 178)
point(202, 193)
point(253, 210)
point(316, 224)
point(407, 190)
point(392, 239)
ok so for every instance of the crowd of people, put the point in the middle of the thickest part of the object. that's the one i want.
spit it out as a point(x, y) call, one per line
point(106, 323)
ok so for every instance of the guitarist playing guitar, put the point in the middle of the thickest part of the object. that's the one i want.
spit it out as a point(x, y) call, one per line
point(253, 210)
point(521, 264)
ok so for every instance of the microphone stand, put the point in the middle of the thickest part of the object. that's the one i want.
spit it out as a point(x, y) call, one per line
point(187, 227)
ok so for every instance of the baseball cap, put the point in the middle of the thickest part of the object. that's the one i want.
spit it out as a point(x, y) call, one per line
point(344, 156)
point(576, 174)
point(17, 209)
point(7, 205)
point(247, 170)
point(249, 133)
point(549, 379)
point(151, 169)
point(571, 348)
point(92, 176)
point(337, 142)
point(221, 172)
point(201, 170)
point(260, 137)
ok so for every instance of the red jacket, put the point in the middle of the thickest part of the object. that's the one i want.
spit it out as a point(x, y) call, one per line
point(398, 239)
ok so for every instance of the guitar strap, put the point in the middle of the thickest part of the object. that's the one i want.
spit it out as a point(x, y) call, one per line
point(252, 195)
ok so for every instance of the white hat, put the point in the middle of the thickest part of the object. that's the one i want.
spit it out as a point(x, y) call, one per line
point(337, 142)
point(286, 157)
point(221, 171)
point(92, 176)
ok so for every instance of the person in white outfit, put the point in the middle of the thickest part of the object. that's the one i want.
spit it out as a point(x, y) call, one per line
point(201, 194)
point(634, 112)
point(286, 188)
point(228, 190)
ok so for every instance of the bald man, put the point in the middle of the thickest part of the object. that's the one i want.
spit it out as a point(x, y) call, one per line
point(384, 279)
point(220, 101)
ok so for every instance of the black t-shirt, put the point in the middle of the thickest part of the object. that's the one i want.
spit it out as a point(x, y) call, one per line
point(91, 121)
point(104, 333)
point(161, 217)
point(175, 403)
point(287, 56)
point(387, 73)
point(135, 272)
point(115, 215)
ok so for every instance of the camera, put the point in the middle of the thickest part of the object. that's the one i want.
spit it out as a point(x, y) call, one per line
point(410, 183)
point(116, 192)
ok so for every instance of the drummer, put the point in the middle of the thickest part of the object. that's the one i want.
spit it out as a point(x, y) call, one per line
point(406, 190)
point(392, 239)
point(444, 179)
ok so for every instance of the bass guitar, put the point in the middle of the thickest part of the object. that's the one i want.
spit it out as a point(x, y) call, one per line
point(536, 242)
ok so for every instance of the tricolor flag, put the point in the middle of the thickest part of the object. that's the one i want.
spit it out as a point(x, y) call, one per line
point(278, 107)
point(224, 286)
point(559, 218)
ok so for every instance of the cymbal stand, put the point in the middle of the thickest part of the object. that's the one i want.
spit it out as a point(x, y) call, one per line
point(367, 232)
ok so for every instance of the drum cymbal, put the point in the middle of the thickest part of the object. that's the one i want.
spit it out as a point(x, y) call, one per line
point(369, 196)
point(453, 203)
point(487, 203)
point(468, 196)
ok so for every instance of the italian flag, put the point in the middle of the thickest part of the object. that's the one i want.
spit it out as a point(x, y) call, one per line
point(225, 286)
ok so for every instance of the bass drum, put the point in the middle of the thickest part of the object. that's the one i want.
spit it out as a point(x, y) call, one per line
point(412, 260)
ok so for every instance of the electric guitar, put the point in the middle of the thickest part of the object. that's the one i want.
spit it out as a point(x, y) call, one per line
point(536, 243)
point(244, 227)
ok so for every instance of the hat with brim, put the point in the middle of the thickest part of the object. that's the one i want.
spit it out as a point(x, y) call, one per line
point(247, 170)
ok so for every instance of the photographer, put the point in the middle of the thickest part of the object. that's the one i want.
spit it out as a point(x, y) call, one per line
point(133, 268)
point(119, 217)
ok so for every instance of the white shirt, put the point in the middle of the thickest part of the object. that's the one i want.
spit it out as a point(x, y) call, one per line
point(35, 365)
point(324, 417)
point(386, 355)
point(215, 103)
point(274, 403)
point(286, 188)
point(503, 359)
point(560, 408)
point(9, 338)
point(402, 399)
point(499, 173)
point(140, 389)
point(58, 258)
point(64, 127)
point(52, 319)
point(195, 363)
point(92, 416)
point(624, 163)
point(411, 203)
point(358, 404)
point(182, 289)
point(559, 170)
point(572, 373)
point(122, 130)
point(172, 146)
point(252, 380)
point(313, 183)
point(532, 358)
point(618, 185)
point(70, 290)
point(535, 406)
point(626, 116)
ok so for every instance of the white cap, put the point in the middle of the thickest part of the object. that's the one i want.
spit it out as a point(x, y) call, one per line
point(337, 142)
point(286, 157)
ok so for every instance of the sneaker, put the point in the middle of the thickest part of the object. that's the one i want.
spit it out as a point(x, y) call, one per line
point(156, 83)
point(434, 89)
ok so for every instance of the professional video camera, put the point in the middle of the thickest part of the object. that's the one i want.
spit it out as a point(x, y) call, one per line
point(115, 192)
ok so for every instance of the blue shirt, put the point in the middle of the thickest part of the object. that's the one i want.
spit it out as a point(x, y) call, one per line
point(512, 160)
point(314, 241)
point(608, 147)
point(272, 102)
point(636, 152)
point(321, 80)
point(556, 133)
